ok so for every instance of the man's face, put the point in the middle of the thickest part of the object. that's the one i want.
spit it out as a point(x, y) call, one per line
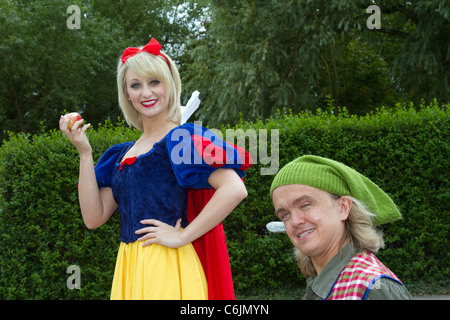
point(314, 220)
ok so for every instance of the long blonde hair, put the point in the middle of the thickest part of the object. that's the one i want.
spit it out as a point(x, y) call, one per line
point(155, 67)
point(359, 229)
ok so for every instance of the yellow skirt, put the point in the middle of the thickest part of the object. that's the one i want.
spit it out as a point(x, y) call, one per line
point(156, 272)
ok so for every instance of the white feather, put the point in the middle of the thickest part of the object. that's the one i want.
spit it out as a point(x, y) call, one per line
point(191, 106)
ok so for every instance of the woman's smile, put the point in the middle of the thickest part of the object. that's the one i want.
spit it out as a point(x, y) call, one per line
point(149, 103)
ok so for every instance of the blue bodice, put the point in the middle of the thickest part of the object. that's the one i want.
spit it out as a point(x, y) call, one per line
point(155, 184)
point(147, 189)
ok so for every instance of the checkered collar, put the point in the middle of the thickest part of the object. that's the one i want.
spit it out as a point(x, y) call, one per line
point(321, 284)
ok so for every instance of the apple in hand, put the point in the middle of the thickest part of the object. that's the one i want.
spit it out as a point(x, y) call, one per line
point(74, 117)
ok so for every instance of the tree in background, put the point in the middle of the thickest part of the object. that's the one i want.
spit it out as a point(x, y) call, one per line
point(257, 56)
point(247, 58)
point(47, 68)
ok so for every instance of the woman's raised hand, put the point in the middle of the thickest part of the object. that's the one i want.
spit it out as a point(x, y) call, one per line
point(77, 134)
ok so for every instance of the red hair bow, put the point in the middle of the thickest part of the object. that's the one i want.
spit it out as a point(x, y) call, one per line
point(153, 47)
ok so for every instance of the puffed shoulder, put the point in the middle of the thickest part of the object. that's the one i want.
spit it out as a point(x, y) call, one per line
point(105, 165)
point(195, 152)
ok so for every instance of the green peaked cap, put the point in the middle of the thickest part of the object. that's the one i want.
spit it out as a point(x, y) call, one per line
point(339, 179)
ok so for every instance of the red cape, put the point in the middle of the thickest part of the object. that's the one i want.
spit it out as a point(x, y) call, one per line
point(212, 250)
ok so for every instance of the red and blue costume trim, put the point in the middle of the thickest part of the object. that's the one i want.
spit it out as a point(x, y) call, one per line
point(171, 182)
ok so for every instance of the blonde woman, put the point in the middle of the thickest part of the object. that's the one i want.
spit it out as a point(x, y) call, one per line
point(149, 182)
point(323, 206)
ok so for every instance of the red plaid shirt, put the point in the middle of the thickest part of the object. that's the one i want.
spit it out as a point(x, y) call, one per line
point(360, 274)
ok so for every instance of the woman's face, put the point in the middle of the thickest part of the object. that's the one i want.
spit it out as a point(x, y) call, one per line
point(148, 96)
point(314, 220)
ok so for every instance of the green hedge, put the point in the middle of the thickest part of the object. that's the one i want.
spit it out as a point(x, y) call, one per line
point(41, 229)
point(406, 151)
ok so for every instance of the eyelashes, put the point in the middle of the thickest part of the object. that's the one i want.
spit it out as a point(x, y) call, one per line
point(152, 83)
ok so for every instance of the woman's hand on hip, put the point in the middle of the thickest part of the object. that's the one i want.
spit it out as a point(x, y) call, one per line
point(161, 233)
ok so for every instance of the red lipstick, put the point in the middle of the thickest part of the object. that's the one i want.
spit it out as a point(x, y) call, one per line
point(149, 103)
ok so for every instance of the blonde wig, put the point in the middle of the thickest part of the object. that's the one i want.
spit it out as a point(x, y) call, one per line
point(154, 67)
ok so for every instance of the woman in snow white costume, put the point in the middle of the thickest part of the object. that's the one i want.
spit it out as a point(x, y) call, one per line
point(172, 188)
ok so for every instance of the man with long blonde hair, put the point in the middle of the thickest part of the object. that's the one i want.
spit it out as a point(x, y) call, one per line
point(329, 211)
